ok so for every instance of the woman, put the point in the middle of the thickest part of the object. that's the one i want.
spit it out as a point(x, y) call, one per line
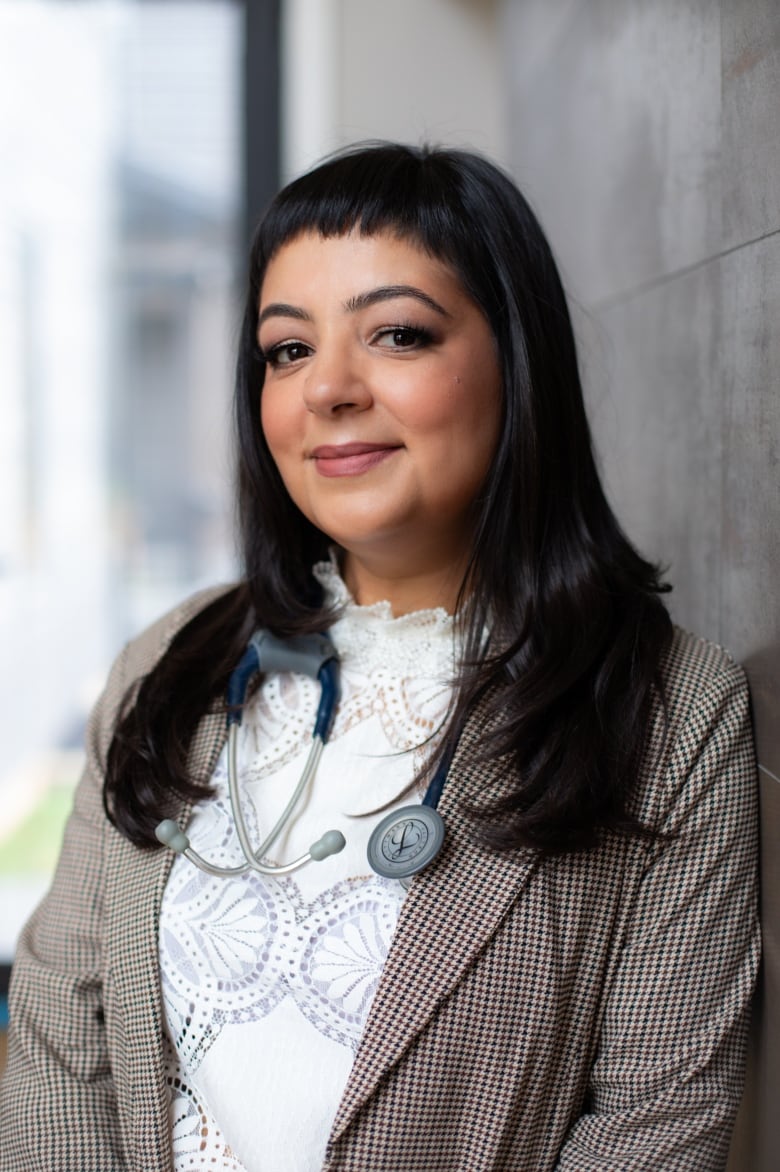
point(566, 983)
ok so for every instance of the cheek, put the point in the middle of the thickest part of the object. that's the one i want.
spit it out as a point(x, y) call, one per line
point(274, 422)
point(479, 432)
point(441, 407)
point(467, 413)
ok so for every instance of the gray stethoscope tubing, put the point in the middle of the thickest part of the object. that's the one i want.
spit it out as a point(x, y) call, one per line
point(401, 845)
point(314, 656)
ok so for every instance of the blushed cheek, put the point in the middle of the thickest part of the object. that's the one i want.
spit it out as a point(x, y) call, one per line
point(272, 424)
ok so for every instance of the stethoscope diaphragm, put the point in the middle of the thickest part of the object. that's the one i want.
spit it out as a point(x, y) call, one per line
point(406, 841)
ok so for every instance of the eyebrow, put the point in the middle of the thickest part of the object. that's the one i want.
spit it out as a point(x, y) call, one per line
point(388, 293)
point(355, 304)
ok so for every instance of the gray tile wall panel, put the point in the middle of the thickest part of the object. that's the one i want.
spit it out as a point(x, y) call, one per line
point(661, 450)
point(648, 138)
point(755, 1145)
point(751, 118)
point(750, 578)
point(597, 102)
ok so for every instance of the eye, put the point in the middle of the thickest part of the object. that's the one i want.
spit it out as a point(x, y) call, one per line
point(285, 353)
point(403, 337)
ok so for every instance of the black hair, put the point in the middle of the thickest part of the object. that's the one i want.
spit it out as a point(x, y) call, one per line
point(577, 625)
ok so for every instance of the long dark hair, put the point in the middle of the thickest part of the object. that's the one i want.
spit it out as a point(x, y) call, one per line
point(577, 627)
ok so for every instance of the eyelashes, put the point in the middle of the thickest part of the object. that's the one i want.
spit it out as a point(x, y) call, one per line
point(403, 336)
point(285, 353)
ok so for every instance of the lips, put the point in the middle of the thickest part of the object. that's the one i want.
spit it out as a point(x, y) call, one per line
point(351, 459)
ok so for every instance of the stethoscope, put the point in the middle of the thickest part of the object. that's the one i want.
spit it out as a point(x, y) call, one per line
point(403, 843)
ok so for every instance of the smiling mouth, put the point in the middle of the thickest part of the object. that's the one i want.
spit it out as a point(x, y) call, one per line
point(351, 459)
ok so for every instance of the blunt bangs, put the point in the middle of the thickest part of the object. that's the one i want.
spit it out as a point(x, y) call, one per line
point(371, 190)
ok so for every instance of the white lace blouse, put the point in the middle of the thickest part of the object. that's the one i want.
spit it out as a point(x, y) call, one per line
point(267, 982)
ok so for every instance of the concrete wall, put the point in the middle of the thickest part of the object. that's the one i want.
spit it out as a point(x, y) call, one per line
point(648, 137)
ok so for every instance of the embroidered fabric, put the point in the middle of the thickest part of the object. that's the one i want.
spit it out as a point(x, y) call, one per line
point(267, 982)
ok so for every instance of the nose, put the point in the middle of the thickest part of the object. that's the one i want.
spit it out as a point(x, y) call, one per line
point(335, 380)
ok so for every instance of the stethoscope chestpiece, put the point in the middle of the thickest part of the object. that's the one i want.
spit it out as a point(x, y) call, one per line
point(406, 841)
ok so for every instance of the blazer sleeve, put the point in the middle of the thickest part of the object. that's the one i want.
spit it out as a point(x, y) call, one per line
point(57, 1099)
point(669, 1067)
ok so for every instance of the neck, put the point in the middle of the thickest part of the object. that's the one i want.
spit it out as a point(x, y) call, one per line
point(424, 589)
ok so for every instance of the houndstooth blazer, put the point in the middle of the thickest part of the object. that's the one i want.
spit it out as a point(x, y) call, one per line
point(585, 1012)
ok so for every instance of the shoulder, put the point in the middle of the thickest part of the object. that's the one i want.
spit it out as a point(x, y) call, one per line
point(146, 649)
point(701, 682)
point(700, 732)
point(692, 667)
point(138, 657)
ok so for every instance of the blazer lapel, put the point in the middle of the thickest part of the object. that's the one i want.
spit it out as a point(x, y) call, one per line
point(451, 912)
point(135, 882)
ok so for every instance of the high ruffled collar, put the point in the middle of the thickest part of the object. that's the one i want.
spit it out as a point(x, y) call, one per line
point(422, 643)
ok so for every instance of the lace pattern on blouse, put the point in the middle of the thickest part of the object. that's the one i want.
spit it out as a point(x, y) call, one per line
point(237, 952)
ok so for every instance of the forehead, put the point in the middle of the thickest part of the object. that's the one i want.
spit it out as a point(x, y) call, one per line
point(317, 265)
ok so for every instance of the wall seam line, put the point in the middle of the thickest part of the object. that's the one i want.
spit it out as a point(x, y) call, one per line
point(658, 282)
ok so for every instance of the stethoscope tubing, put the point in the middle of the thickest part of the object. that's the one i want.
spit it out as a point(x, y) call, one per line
point(251, 854)
point(404, 842)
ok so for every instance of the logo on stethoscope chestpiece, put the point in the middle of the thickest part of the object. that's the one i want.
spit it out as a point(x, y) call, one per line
point(406, 841)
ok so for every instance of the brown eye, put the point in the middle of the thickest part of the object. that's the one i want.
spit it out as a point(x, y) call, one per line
point(286, 353)
point(403, 338)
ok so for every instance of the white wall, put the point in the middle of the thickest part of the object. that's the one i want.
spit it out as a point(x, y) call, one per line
point(410, 70)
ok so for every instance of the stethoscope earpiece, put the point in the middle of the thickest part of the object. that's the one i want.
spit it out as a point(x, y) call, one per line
point(170, 834)
point(331, 843)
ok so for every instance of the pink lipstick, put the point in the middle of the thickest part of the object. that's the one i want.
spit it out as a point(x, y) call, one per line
point(350, 459)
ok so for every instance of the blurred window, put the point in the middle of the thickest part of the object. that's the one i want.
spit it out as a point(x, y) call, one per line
point(121, 237)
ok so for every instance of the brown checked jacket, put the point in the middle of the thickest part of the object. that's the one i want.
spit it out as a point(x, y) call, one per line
point(576, 1013)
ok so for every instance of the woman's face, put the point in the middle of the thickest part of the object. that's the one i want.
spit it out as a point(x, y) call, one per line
point(381, 404)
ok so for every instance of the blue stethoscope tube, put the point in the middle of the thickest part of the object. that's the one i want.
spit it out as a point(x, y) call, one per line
point(402, 844)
